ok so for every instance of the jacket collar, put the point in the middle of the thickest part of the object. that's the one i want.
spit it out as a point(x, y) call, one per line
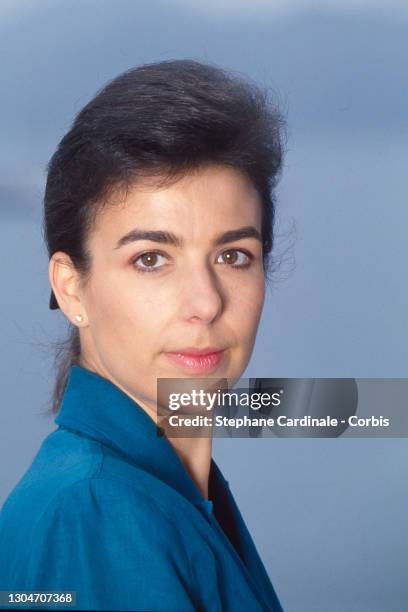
point(96, 407)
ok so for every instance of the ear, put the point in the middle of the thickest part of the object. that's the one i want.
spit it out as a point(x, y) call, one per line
point(64, 280)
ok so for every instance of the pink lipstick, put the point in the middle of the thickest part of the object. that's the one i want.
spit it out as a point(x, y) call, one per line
point(197, 360)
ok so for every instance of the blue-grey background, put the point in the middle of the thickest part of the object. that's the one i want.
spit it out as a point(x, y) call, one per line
point(329, 517)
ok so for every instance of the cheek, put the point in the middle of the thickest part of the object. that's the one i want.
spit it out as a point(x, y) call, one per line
point(245, 310)
point(247, 302)
point(127, 314)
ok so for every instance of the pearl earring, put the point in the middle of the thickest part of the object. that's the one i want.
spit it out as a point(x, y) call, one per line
point(78, 318)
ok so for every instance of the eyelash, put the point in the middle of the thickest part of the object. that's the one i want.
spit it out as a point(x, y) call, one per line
point(149, 269)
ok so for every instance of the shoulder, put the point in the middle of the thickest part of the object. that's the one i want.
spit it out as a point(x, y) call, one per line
point(108, 522)
point(62, 460)
point(99, 502)
point(114, 543)
point(75, 486)
point(113, 524)
point(115, 530)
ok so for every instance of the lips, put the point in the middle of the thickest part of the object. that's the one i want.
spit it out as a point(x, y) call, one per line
point(191, 350)
point(197, 360)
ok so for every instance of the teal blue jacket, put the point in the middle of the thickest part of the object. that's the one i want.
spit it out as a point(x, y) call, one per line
point(108, 510)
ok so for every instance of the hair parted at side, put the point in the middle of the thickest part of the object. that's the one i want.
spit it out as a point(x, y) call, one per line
point(160, 120)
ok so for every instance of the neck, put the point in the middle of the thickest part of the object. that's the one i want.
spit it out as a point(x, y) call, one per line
point(195, 454)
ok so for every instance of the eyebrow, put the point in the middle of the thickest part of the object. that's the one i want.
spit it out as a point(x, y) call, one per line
point(171, 239)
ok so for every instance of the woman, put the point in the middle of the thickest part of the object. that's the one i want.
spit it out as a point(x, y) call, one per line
point(158, 218)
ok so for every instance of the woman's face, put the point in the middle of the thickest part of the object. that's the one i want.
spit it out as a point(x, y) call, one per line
point(194, 282)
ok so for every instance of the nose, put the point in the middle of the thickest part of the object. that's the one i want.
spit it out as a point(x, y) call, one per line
point(201, 298)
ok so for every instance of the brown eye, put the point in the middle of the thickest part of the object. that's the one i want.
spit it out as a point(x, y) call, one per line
point(230, 257)
point(148, 259)
point(236, 258)
point(149, 262)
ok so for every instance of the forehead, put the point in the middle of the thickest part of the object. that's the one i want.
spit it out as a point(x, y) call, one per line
point(197, 206)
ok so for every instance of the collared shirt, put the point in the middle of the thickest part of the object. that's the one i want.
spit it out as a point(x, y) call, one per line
point(108, 510)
